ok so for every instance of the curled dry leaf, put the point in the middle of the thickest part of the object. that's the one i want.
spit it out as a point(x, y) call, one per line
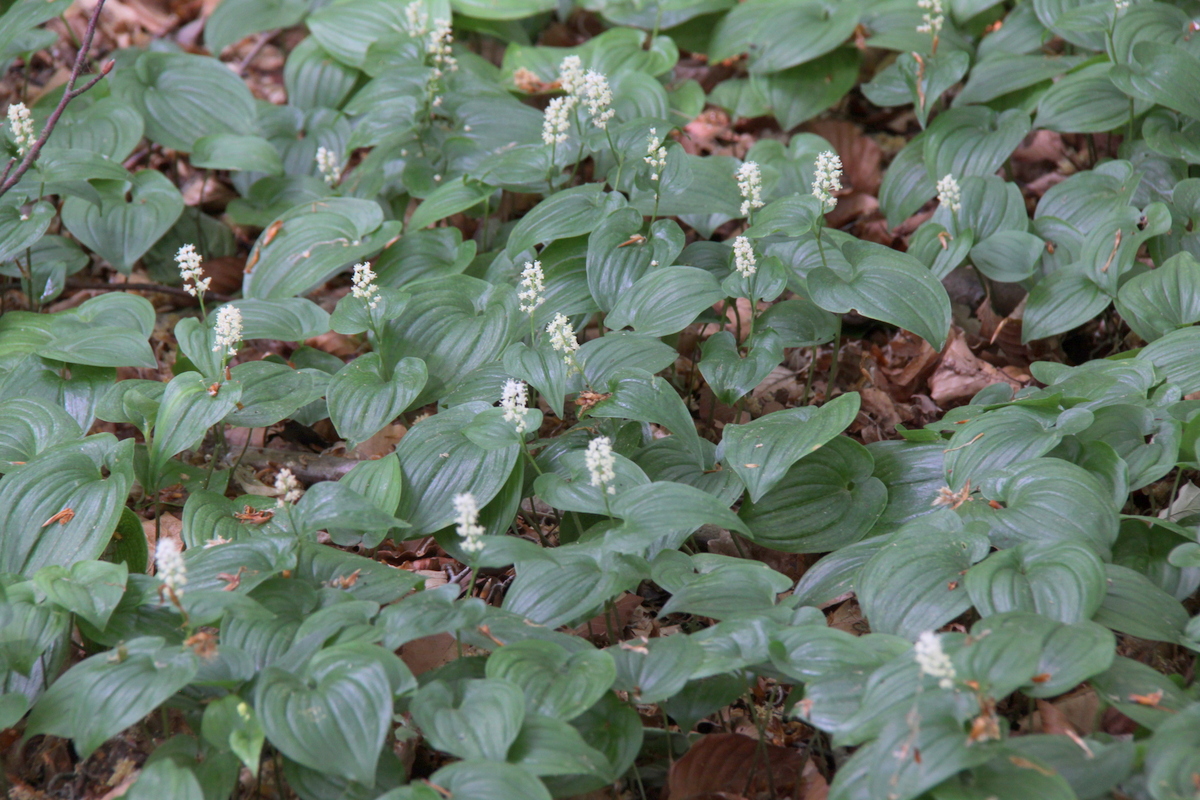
point(731, 765)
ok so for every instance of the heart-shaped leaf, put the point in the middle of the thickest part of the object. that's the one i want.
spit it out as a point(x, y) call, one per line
point(477, 719)
point(556, 683)
point(123, 231)
point(363, 398)
point(665, 300)
point(1061, 580)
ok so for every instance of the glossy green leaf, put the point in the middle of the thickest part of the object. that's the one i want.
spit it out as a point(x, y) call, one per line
point(1064, 581)
point(471, 719)
point(188, 409)
point(556, 683)
point(122, 232)
point(363, 398)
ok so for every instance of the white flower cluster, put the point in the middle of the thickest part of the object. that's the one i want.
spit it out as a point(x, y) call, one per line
point(562, 338)
point(949, 195)
point(438, 47)
point(1123, 4)
point(744, 259)
point(364, 284)
point(532, 286)
point(416, 19)
point(329, 165)
point(934, 17)
point(589, 88)
point(287, 487)
point(600, 463)
point(229, 330)
point(21, 125)
point(656, 155)
point(513, 399)
point(828, 179)
point(168, 561)
point(933, 661)
point(467, 520)
point(749, 181)
point(189, 269)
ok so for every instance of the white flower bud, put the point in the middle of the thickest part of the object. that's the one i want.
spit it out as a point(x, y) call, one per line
point(287, 487)
point(933, 661)
point(169, 564)
point(364, 284)
point(949, 195)
point(229, 330)
point(597, 96)
point(557, 122)
point(827, 180)
point(570, 75)
point(600, 462)
point(934, 17)
point(329, 165)
point(532, 287)
point(416, 19)
point(562, 338)
point(749, 181)
point(744, 259)
point(656, 155)
point(21, 125)
point(189, 269)
point(513, 400)
point(467, 522)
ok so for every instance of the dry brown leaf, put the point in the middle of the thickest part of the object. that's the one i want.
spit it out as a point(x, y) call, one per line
point(731, 765)
point(1054, 719)
point(429, 652)
point(382, 443)
point(169, 527)
point(961, 373)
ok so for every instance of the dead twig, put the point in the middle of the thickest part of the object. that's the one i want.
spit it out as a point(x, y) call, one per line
point(7, 181)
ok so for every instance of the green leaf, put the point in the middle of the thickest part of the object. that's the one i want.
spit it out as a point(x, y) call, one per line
point(782, 33)
point(1125, 678)
point(333, 715)
point(825, 501)
point(571, 212)
point(236, 152)
point(655, 670)
point(231, 724)
point(122, 232)
point(1004, 437)
point(616, 259)
point(166, 778)
point(562, 587)
point(717, 586)
point(473, 719)
point(363, 399)
point(1008, 256)
point(604, 357)
point(886, 285)
point(20, 230)
point(270, 393)
point(913, 583)
point(1064, 581)
point(666, 506)
point(640, 396)
point(542, 368)
point(1157, 302)
point(973, 140)
point(379, 481)
point(1085, 102)
point(105, 694)
point(488, 780)
point(1137, 607)
point(907, 185)
point(29, 426)
point(556, 683)
point(312, 77)
point(233, 20)
point(184, 97)
point(1157, 71)
point(1046, 499)
point(67, 477)
point(1174, 354)
point(549, 746)
point(450, 198)
point(439, 461)
point(761, 452)
point(90, 589)
point(188, 409)
point(1061, 301)
point(732, 376)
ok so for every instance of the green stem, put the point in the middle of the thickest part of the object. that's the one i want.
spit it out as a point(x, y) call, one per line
point(833, 367)
point(812, 369)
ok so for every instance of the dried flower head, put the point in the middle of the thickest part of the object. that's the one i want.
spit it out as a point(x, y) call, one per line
point(532, 287)
point(467, 522)
point(744, 259)
point(827, 180)
point(600, 462)
point(229, 330)
point(562, 338)
point(933, 18)
point(189, 269)
point(749, 181)
point(933, 661)
point(287, 487)
point(949, 195)
point(513, 399)
point(329, 165)
point(556, 124)
point(656, 155)
point(364, 284)
point(21, 125)
point(168, 561)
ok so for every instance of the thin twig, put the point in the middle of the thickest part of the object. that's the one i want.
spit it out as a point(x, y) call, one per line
point(8, 181)
point(255, 50)
point(126, 287)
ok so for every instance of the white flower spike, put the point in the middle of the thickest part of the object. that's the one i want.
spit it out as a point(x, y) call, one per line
point(557, 122)
point(934, 17)
point(416, 19)
point(949, 194)
point(287, 487)
point(466, 510)
point(749, 181)
point(364, 284)
point(656, 155)
point(168, 561)
point(933, 661)
point(744, 259)
point(532, 287)
point(229, 330)
point(571, 75)
point(329, 165)
point(438, 47)
point(562, 338)
point(189, 269)
point(827, 180)
point(21, 125)
point(597, 96)
point(601, 462)
point(514, 399)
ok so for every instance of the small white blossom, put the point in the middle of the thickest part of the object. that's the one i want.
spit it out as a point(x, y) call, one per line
point(513, 400)
point(570, 75)
point(168, 561)
point(364, 284)
point(438, 47)
point(329, 165)
point(467, 521)
point(557, 122)
point(934, 16)
point(749, 181)
point(597, 96)
point(933, 661)
point(656, 155)
point(744, 259)
point(416, 19)
point(1123, 4)
point(562, 338)
point(827, 179)
point(21, 125)
point(532, 287)
point(287, 487)
point(229, 330)
point(949, 195)
point(189, 269)
point(600, 462)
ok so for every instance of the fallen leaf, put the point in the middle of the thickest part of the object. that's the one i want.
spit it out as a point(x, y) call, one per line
point(731, 765)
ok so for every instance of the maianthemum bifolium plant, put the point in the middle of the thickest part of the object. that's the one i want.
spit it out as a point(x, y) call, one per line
point(1003, 555)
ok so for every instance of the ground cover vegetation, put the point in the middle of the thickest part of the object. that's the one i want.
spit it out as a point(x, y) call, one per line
point(494, 399)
